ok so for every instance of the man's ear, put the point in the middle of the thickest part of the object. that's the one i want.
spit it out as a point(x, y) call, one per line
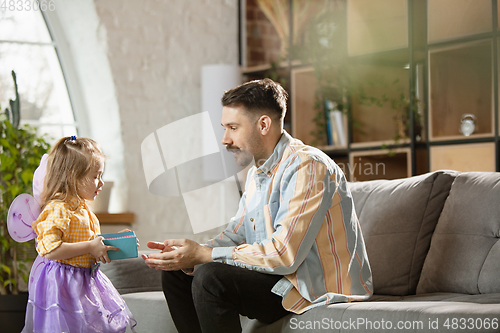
point(265, 122)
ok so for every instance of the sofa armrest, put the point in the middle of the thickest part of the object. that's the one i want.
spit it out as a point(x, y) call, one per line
point(132, 275)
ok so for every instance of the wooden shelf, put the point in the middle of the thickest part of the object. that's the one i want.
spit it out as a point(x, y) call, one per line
point(303, 86)
point(375, 26)
point(452, 19)
point(378, 123)
point(120, 218)
point(460, 82)
point(267, 67)
point(333, 148)
point(450, 45)
point(463, 157)
point(380, 164)
point(463, 137)
point(373, 144)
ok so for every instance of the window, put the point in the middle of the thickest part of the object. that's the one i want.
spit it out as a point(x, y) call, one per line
point(27, 48)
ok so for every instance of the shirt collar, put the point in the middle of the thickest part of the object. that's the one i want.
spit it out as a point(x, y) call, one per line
point(277, 154)
point(75, 203)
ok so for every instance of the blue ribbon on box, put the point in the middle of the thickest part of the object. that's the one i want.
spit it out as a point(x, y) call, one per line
point(125, 241)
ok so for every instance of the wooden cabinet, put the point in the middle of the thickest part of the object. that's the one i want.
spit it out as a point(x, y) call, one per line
point(380, 164)
point(376, 26)
point(454, 19)
point(377, 121)
point(461, 83)
point(302, 102)
point(430, 66)
point(464, 157)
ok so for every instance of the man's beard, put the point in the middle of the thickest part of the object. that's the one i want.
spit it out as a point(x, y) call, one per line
point(243, 157)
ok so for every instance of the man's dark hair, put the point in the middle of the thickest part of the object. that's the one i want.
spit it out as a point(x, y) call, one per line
point(260, 96)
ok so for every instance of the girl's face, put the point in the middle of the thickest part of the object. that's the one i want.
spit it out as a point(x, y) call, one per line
point(92, 183)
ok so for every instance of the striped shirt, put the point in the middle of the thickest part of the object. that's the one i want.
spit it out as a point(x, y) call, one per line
point(297, 219)
point(68, 222)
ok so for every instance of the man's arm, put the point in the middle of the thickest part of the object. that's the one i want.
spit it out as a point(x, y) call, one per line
point(185, 254)
point(177, 254)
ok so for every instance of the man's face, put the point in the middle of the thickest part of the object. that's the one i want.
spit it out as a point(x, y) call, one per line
point(241, 135)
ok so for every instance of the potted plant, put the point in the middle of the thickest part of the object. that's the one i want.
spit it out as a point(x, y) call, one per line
point(20, 152)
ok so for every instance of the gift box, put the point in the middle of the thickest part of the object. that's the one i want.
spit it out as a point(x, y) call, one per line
point(125, 241)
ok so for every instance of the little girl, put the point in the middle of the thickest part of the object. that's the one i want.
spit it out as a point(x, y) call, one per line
point(67, 292)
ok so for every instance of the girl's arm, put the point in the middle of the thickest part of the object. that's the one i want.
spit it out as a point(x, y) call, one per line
point(70, 250)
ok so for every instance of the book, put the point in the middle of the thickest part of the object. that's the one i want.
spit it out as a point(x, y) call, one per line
point(328, 107)
point(335, 123)
point(338, 123)
point(125, 241)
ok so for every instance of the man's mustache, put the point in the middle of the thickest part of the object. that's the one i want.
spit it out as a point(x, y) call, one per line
point(231, 148)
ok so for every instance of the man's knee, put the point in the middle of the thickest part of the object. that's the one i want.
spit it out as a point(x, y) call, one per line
point(175, 280)
point(167, 276)
point(209, 278)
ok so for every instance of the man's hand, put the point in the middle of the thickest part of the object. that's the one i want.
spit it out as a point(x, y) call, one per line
point(177, 254)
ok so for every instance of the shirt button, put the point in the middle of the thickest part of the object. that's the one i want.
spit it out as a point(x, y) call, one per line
point(251, 220)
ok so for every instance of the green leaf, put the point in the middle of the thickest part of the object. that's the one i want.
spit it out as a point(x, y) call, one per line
point(5, 244)
point(6, 269)
point(9, 281)
point(27, 176)
point(20, 152)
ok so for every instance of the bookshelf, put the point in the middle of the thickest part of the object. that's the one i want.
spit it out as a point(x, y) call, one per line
point(438, 56)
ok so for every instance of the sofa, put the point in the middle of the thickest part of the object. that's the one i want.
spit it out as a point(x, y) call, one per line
point(433, 245)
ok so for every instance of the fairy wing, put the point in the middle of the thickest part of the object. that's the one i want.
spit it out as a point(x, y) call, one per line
point(24, 210)
point(39, 176)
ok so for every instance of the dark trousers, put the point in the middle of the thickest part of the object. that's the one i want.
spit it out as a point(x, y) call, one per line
point(213, 299)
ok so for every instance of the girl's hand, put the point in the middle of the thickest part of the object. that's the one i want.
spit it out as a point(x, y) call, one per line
point(128, 230)
point(100, 251)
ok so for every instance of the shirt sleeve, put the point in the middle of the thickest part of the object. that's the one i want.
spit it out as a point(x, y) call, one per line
point(50, 227)
point(307, 191)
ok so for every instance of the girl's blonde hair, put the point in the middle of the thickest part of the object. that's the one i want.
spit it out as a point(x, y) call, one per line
point(70, 160)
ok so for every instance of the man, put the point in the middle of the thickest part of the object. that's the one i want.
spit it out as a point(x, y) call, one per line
point(295, 242)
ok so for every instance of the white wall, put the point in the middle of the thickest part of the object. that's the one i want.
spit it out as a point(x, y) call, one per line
point(150, 75)
point(82, 49)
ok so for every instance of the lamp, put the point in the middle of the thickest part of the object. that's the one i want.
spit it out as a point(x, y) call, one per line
point(215, 80)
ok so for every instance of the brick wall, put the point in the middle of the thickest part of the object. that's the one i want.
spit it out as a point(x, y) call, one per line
point(263, 42)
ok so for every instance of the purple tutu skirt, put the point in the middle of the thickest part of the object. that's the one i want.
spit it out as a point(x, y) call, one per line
point(64, 298)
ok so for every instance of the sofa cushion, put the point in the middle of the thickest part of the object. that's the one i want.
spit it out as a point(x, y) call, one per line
point(151, 311)
point(426, 313)
point(464, 256)
point(397, 218)
point(132, 275)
